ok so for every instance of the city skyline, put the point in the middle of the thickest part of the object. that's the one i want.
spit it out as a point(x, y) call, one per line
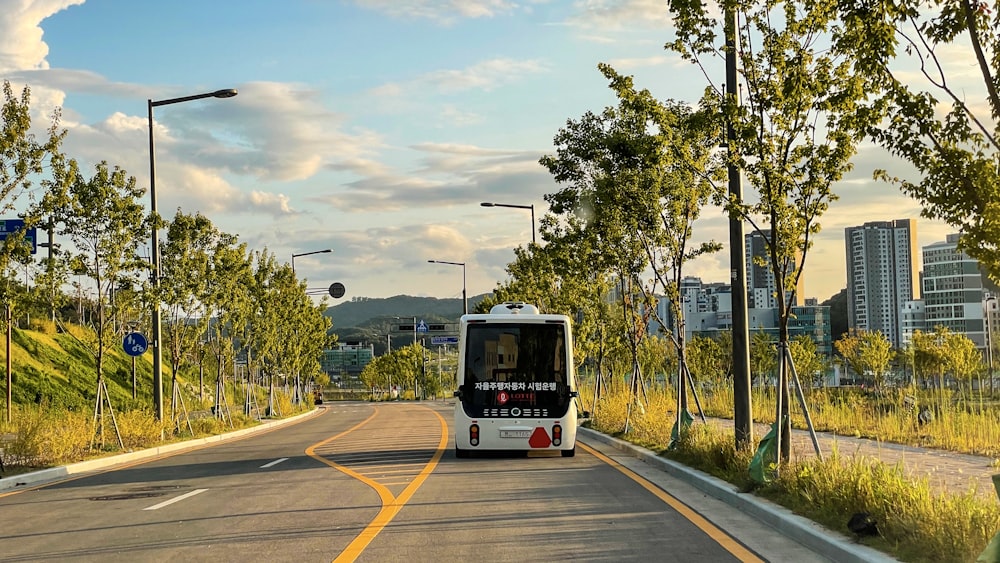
point(381, 150)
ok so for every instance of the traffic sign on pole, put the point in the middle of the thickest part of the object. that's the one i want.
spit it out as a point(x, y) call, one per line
point(11, 226)
point(135, 344)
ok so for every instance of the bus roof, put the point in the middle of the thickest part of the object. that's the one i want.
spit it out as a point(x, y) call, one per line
point(514, 312)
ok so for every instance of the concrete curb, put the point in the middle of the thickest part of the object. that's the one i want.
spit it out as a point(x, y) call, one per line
point(54, 473)
point(828, 543)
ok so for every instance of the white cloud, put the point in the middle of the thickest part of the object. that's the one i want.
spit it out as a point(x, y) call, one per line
point(625, 64)
point(483, 76)
point(21, 44)
point(620, 15)
point(451, 115)
point(441, 11)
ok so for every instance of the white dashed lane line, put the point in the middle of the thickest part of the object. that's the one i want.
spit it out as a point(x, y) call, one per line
point(273, 463)
point(175, 499)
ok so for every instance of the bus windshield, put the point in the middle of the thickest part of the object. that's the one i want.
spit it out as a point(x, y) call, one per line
point(516, 370)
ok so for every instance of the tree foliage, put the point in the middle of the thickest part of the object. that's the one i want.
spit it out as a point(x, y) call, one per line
point(946, 122)
point(868, 354)
point(793, 133)
point(100, 217)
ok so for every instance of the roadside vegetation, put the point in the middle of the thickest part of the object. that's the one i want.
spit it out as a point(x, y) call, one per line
point(815, 83)
point(54, 420)
point(915, 522)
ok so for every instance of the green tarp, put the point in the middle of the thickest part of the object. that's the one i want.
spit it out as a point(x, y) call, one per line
point(762, 467)
point(686, 420)
point(992, 552)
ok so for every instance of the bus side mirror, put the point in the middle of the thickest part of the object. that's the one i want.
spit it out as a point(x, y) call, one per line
point(584, 414)
point(458, 392)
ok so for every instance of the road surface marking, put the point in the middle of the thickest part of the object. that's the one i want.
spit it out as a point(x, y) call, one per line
point(391, 505)
point(175, 499)
point(273, 463)
point(217, 440)
point(711, 530)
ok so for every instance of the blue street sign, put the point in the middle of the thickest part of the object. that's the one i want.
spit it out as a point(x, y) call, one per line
point(422, 326)
point(11, 226)
point(438, 340)
point(135, 344)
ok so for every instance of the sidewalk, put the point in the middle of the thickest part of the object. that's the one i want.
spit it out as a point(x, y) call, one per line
point(945, 471)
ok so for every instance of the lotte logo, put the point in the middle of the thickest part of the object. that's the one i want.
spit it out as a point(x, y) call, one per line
point(502, 397)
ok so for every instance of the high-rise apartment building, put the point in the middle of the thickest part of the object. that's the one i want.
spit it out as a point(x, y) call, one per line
point(953, 290)
point(762, 291)
point(882, 275)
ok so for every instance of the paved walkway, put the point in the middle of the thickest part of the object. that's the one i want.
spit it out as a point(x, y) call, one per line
point(944, 471)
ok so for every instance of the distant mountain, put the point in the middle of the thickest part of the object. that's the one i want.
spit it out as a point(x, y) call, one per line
point(369, 321)
point(359, 310)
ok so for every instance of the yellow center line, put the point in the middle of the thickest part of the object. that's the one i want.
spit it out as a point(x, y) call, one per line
point(711, 530)
point(391, 505)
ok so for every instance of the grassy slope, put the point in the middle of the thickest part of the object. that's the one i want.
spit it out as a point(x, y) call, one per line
point(60, 369)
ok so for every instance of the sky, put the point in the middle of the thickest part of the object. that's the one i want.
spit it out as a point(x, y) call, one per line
point(374, 128)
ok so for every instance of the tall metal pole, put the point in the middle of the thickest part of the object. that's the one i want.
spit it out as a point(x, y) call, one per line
point(155, 278)
point(742, 407)
point(155, 251)
point(989, 338)
point(532, 223)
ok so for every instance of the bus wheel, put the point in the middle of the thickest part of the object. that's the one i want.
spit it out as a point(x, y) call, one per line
point(460, 453)
point(569, 453)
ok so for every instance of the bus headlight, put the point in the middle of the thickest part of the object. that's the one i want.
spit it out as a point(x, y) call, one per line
point(556, 435)
point(474, 434)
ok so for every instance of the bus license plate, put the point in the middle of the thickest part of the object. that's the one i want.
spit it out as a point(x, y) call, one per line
point(515, 433)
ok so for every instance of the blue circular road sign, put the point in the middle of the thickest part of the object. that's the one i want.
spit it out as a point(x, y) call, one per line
point(135, 344)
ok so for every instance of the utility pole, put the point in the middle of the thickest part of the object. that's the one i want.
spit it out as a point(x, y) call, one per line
point(742, 408)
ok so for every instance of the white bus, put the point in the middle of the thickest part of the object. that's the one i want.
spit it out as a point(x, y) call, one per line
point(516, 382)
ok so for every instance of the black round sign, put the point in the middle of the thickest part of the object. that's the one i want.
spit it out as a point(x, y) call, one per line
point(337, 290)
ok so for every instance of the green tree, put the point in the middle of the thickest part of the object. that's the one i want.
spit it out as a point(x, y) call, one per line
point(868, 353)
point(635, 176)
point(185, 277)
point(763, 356)
point(103, 218)
point(809, 363)
point(21, 158)
point(938, 121)
point(794, 136)
point(231, 301)
point(706, 359)
point(962, 359)
point(928, 353)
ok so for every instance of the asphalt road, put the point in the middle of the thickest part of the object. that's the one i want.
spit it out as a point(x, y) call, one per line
point(378, 482)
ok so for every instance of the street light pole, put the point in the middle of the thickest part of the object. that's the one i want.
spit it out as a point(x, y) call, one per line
point(155, 251)
point(990, 306)
point(742, 405)
point(465, 299)
point(515, 206)
point(294, 256)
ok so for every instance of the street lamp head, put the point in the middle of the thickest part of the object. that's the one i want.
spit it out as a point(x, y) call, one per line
point(225, 93)
point(487, 204)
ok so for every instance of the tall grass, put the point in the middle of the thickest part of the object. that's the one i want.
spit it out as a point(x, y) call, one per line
point(42, 436)
point(915, 524)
